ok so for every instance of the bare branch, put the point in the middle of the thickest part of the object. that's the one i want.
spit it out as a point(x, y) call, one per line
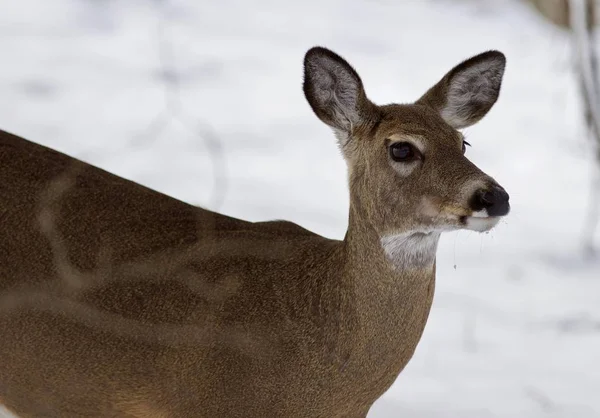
point(582, 16)
point(174, 111)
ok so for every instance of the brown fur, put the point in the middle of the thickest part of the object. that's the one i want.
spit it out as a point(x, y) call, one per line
point(119, 301)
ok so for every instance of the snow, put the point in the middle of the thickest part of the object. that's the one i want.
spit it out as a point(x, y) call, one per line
point(515, 326)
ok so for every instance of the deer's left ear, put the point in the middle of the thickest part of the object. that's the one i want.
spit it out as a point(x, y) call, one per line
point(469, 90)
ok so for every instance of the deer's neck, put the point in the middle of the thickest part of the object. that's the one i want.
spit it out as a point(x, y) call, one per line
point(393, 276)
point(393, 282)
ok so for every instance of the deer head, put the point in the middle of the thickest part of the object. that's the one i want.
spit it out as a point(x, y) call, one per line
point(408, 171)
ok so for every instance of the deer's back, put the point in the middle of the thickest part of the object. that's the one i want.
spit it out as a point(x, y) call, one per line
point(119, 219)
point(117, 300)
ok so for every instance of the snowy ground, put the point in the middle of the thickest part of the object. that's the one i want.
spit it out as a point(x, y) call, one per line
point(515, 327)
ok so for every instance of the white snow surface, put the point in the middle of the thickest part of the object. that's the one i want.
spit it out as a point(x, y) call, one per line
point(515, 325)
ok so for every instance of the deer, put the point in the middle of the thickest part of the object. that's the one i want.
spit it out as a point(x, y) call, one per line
point(120, 301)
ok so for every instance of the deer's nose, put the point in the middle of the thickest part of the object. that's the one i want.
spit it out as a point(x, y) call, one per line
point(494, 200)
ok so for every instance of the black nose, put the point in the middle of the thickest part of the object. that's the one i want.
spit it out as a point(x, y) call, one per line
point(494, 200)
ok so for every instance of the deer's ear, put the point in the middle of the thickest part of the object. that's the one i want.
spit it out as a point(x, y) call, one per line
point(334, 91)
point(469, 90)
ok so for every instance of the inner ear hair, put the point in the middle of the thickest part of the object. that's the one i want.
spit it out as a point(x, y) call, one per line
point(468, 91)
point(335, 91)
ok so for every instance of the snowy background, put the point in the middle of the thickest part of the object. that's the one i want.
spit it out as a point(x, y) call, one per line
point(202, 100)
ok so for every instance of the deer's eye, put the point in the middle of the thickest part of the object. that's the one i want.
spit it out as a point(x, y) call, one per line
point(403, 152)
point(464, 146)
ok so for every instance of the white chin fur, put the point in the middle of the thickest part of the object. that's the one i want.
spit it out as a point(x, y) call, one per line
point(481, 224)
point(411, 250)
point(480, 214)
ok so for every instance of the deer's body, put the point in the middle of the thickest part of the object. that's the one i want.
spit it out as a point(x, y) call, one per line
point(119, 301)
point(285, 321)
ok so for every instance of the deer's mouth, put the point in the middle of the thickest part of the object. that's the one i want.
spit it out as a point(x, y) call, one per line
point(479, 222)
point(452, 216)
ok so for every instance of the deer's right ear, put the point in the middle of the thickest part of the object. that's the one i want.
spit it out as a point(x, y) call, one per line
point(334, 91)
